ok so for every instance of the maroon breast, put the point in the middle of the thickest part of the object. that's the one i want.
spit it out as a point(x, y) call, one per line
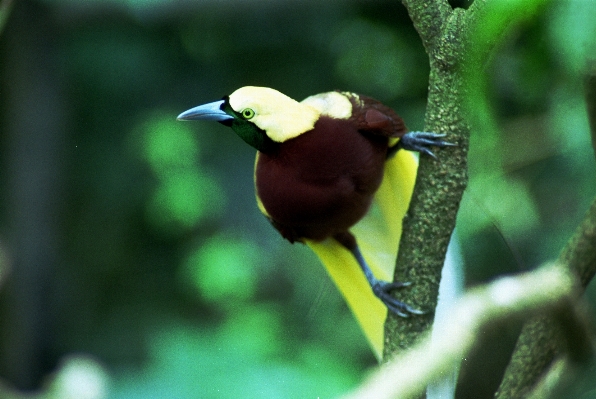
point(321, 182)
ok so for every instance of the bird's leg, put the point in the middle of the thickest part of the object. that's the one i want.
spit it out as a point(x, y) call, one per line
point(381, 289)
point(420, 141)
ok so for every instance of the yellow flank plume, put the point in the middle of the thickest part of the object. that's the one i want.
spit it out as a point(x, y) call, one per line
point(378, 235)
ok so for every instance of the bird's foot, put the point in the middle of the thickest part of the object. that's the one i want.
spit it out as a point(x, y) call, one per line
point(420, 141)
point(383, 289)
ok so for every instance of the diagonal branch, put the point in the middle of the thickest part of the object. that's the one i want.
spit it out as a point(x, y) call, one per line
point(538, 345)
point(549, 288)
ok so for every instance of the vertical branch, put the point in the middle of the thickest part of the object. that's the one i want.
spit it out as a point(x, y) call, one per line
point(428, 17)
point(458, 43)
point(430, 220)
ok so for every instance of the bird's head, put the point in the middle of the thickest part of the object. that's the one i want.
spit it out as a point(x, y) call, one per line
point(260, 116)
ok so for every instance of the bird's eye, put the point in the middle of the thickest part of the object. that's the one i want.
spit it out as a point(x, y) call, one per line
point(247, 113)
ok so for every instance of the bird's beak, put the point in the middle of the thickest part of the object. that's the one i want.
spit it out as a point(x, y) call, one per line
point(208, 112)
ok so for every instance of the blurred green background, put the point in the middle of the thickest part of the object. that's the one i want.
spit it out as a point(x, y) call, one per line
point(132, 254)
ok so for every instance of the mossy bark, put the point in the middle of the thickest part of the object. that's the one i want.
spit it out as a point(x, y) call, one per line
point(540, 340)
point(459, 43)
point(440, 184)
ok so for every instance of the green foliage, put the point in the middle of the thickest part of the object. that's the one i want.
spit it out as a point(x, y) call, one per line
point(223, 270)
point(186, 193)
point(573, 34)
point(374, 57)
point(169, 275)
point(5, 7)
point(517, 152)
point(243, 358)
point(506, 202)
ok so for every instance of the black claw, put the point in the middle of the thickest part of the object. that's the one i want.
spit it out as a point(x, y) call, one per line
point(425, 150)
point(382, 290)
point(388, 287)
point(420, 141)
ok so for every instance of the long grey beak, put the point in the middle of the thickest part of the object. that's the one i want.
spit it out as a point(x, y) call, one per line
point(207, 112)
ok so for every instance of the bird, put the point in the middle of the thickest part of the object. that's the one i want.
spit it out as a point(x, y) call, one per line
point(334, 171)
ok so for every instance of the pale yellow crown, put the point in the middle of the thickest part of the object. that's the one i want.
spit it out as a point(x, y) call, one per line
point(283, 118)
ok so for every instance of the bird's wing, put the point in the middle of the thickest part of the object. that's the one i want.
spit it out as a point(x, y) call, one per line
point(378, 235)
point(374, 117)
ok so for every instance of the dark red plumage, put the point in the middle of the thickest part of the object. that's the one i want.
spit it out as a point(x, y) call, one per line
point(322, 182)
point(316, 184)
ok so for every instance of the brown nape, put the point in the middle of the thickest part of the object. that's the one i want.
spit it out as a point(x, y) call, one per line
point(322, 182)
